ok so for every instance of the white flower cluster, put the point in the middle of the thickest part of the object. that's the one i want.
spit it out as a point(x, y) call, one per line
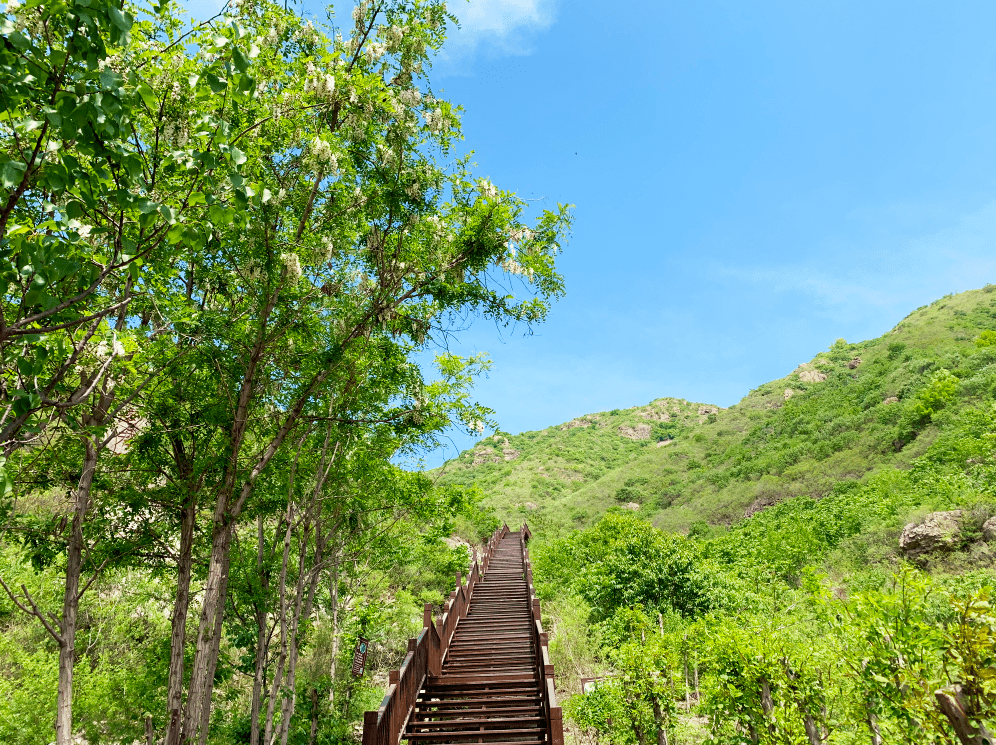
point(323, 84)
point(477, 426)
point(176, 133)
point(375, 50)
point(80, 228)
point(293, 264)
point(307, 33)
point(393, 36)
point(435, 120)
point(410, 97)
point(273, 35)
point(520, 235)
point(360, 13)
point(353, 127)
point(321, 153)
point(328, 248)
point(510, 265)
point(486, 188)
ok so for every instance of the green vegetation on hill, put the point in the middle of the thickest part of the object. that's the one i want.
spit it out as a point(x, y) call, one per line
point(779, 592)
point(846, 415)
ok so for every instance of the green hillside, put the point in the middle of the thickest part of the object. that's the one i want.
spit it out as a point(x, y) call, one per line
point(849, 412)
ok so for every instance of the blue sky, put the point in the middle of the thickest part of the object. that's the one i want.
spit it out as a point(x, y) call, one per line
point(752, 180)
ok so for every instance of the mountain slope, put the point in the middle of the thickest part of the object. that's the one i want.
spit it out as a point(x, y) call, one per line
point(851, 411)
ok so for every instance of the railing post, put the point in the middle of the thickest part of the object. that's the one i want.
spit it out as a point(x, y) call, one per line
point(536, 610)
point(427, 615)
point(556, 726)
point(370, 727)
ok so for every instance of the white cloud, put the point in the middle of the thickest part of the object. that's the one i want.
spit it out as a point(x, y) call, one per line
point(504, 25)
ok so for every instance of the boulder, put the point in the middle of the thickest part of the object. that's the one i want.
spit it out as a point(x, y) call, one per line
point(891, 400)
point(854, 363)
point(632, 506)
point(789, 393)
point(812, 376)
point(938, 531)
point(989, 530)
point(639, 432)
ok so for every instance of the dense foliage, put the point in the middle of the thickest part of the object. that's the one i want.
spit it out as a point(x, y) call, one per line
point(224, 245)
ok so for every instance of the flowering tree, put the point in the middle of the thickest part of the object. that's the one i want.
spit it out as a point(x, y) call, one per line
point(257, 224)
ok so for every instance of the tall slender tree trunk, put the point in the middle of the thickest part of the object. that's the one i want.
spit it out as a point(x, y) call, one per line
point(71, 599)
point(178, 623)
point(205, 654)
point(262, 637)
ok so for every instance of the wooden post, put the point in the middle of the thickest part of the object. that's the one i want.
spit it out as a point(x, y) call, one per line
point(370, 727)
point(556, 726)
point(427, 616)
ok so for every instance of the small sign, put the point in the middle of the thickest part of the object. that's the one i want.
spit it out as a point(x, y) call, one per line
point(360, 656)
point(589, 684)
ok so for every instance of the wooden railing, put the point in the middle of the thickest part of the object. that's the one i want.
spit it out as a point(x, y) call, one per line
point(425, 656)
point(553, 713)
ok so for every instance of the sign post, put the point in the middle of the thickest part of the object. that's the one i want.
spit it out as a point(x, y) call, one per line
point(360, 656)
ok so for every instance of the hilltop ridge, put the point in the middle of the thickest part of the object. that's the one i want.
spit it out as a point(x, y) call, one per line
point(851, 411)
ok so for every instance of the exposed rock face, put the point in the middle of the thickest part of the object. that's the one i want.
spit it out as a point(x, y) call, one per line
point(938, 531)
point(483, 455)
point(704, 410)
point(662, 443)
point(582, 422)
point(631, 506)
point(656, 415)
point(789, 393)
point(812, 376)
point(854, 363)
point(639, 432)
point(891, 400)
point(510, 453)
point(989, 530)
point(759, 505)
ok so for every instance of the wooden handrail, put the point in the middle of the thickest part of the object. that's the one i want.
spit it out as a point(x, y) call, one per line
point(425, 657)
point(552, 713)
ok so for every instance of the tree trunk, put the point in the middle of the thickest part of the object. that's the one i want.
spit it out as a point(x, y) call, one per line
point(659, 716)
point(873, 728)
point(70, 601)
point(313, 734)
point(302, 613)
point(178, 636)
point(952, 703)
point(278, 675)
point(262, 637)
point(205, 654)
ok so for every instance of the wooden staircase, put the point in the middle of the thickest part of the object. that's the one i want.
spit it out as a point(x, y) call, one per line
point(487, 677)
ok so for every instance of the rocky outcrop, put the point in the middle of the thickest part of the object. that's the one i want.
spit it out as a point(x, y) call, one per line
point(789, 393)
point(580, 422)
point(891, 400)
point(759, 505)
point(631, 506)
point(938, 531)
point(812, 376)
point(854, 363)
point(638, 432)
point(989, 530)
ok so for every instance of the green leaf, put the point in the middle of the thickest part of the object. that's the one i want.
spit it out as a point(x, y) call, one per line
point(217, 84)
point(122, 20)
point(11, 173)
point(240, 60)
